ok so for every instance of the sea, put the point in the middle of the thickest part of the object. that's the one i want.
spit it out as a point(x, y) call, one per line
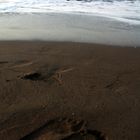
point(115, 22)
point(124, 10)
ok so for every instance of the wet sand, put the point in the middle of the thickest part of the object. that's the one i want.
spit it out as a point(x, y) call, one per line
point(69, 91)
point(69, 27)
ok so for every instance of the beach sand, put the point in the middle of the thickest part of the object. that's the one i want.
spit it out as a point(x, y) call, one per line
point(69, 91)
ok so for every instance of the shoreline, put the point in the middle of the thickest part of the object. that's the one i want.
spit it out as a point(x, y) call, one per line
point(115, 19)
point(67, 42)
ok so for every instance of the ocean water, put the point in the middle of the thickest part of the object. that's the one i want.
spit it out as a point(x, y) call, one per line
point(114, 22)
point(123, 10)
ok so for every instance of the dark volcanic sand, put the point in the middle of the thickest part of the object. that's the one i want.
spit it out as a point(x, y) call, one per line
point(69, 91)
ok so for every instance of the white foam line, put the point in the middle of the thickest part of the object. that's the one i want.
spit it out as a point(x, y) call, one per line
point(117, 9)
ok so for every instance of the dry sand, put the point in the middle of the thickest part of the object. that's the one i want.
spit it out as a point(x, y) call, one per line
point(69, 91)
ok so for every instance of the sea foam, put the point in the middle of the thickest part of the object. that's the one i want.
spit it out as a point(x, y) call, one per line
point(124, 10)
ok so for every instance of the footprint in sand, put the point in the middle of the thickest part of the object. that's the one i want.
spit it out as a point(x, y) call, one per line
point(65, 129)
point(54, 73)
point(34, 76)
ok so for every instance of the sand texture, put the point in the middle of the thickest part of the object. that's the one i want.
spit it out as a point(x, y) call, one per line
point(69, 91)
